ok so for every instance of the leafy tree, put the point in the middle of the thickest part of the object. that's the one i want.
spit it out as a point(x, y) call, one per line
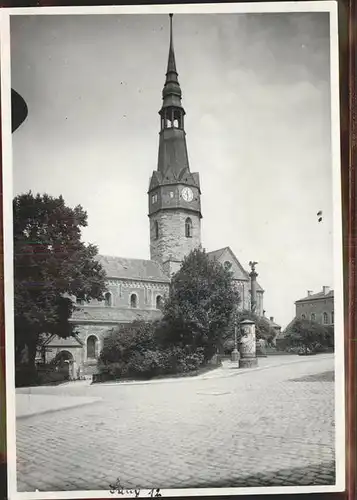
point(307, 335)
point(201, 304)
point(263, 329)
point(51, 264)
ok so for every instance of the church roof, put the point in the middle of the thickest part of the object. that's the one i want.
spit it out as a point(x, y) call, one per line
point(239, 273)
point(138, 269)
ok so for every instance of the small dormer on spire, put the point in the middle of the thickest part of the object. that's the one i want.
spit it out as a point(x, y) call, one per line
point(171, 112)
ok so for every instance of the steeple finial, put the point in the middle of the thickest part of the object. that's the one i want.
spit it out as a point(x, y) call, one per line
point(171, 64)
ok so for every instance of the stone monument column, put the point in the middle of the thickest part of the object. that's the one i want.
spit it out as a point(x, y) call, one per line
point(248, 358)
point(253, 287)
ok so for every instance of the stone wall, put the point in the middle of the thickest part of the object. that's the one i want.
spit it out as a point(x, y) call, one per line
point(121, 290)
point(172, 243)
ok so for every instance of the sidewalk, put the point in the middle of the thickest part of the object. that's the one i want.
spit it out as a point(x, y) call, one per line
point(35, 404)
point(228, 369)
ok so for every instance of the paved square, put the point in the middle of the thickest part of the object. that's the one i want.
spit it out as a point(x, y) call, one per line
point(264, 427)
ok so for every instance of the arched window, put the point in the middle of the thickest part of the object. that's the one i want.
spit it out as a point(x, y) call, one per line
point(325, 318)
point(303, 316)
point(108, 299)
point(133, 301)
point(313, 317)
point(188, 228)
point(92, 347)
point(156, 230)
point(159, 302)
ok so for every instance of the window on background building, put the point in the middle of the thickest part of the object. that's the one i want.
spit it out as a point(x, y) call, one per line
point(156, 230)
point(80, 302)
point(154, 198)
point(227, 264)
point(303, 316)
point(325, 318)
point(108, 299)
point(171, 194)
point(313, 317)
point(159, 302)
point(133, 301)
point(92, 347)
point(188, 228)
point(332, 317)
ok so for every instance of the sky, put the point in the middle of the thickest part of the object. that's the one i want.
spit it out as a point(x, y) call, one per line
point(256, 90)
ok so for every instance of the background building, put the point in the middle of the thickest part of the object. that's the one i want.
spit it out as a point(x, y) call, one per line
point(318, 307)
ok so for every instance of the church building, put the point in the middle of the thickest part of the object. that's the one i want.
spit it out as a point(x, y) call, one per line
point(137, 288)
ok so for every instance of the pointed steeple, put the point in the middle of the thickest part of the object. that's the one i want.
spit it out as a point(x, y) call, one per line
point(174, 191)
point(171, 93)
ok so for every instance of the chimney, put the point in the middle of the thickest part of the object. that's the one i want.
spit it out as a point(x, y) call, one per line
point(325, 289)
point(309, 292)
point(272, 319)
point(264, 313)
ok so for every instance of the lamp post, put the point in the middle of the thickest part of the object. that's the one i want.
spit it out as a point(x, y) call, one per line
point(235, 353)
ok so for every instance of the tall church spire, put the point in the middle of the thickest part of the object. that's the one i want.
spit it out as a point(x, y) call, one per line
point(173, 155)
point(171, 93)
point(174, 191)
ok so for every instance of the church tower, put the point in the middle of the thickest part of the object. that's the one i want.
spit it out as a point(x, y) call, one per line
point(174, 191)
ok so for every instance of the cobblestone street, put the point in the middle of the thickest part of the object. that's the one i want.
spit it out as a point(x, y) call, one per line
point(270, 426)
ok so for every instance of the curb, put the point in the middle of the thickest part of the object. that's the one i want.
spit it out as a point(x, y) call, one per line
point(56, 410)
point(236, 372)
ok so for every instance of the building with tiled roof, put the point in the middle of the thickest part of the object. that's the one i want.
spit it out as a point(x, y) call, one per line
point(137, 288)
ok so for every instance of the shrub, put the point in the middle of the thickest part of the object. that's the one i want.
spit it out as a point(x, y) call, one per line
point(309, 335)
point(136, 351)
point(42, 374)
point(124, 340)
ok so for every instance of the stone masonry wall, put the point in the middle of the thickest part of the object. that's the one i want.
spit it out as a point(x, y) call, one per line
point(172, 243)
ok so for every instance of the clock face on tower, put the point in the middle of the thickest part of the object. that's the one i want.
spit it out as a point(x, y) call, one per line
point(187, 194)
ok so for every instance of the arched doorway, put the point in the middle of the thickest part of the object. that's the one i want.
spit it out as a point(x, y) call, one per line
point(64, 363)
point(63, 356)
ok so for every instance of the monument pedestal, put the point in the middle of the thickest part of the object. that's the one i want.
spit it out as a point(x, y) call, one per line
point(235, 355)
point(248, 362)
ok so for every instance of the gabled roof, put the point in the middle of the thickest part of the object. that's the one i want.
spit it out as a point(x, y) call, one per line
point(239, 273)
point(316, 296)
point(138, 269)
point(271, 323)
point(72, 341)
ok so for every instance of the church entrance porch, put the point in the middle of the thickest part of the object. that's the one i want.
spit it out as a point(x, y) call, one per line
point(65, 363)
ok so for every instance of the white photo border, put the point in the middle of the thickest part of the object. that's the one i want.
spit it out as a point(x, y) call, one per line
point(328, 6)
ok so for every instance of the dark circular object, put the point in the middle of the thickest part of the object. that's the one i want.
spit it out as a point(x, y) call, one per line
point(19, 110)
